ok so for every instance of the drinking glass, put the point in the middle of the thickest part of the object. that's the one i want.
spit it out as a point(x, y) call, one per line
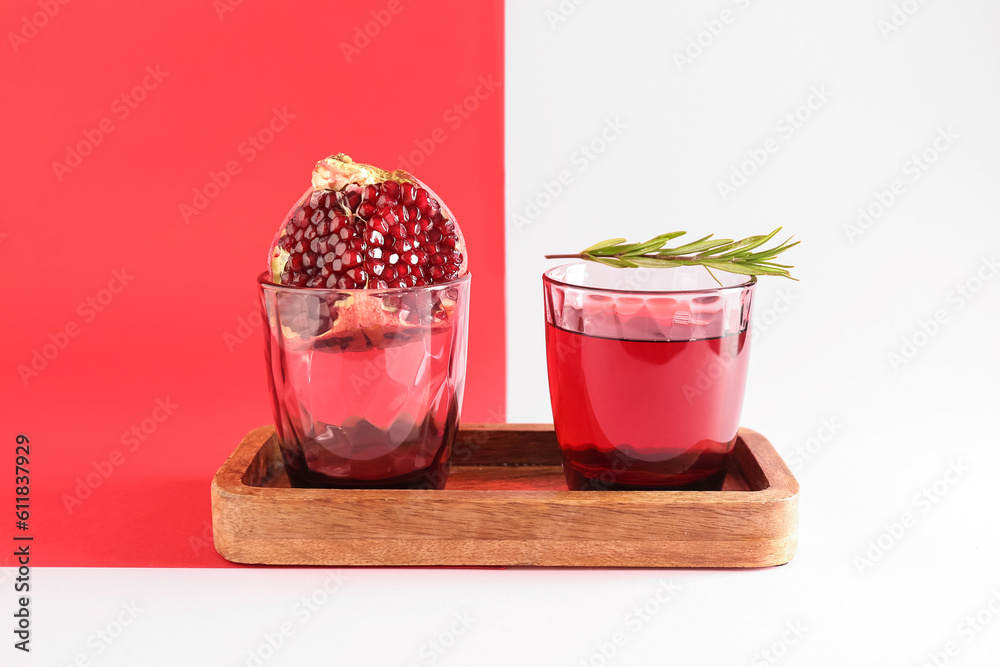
point(366, 385)
point(647, 370)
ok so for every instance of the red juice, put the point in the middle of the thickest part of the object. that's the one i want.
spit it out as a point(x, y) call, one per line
point(645, 414)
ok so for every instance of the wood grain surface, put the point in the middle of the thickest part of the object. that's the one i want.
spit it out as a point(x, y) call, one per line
point(505, 504)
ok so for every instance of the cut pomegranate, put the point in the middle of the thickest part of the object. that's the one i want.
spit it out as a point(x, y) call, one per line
point(361, 227)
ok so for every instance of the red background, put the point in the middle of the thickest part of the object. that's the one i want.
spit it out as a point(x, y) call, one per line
point(174, 332)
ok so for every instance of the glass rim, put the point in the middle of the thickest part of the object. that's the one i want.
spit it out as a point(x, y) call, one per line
point(749, 282)
point(264, 280)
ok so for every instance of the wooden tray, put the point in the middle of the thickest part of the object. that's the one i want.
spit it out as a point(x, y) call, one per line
point(505, 504)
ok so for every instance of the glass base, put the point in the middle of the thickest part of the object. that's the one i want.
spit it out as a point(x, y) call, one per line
point(433, 477)
point(578, 482)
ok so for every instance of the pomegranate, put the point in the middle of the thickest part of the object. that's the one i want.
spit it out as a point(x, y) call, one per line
point(361, 227)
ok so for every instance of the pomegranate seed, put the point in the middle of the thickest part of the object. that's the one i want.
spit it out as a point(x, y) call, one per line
point(402, 245)
point(388, 214)
point(393, 258)
point(366, 210)
point(358, 275)
point(390, 189)
point(388, 273)
point(408, 193)
point(375, 267)
point(374, 237)
point(374, 253)
point(378, 224)
point(370, 193)
point(399, 230)
point(351, 258)
point(378, 284)
point(421, 201)
point(436, 273)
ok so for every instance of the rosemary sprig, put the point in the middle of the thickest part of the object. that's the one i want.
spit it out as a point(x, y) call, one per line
point(720, 254)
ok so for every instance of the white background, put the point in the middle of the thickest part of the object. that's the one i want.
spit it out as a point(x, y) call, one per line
point(864, 435)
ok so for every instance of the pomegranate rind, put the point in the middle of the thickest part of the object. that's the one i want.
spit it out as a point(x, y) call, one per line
point(338, 171)
point(365, 320)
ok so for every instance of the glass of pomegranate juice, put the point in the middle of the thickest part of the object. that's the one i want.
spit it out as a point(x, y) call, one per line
point(647, 370)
